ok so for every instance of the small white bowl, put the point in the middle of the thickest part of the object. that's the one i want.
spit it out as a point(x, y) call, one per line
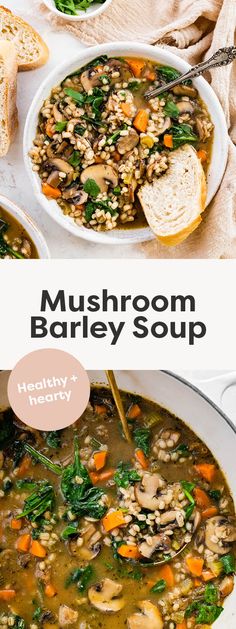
point(92, 11)
point(26, 221)
point(121, 49)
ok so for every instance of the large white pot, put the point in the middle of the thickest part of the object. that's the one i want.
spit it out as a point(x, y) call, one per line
point(121, 49)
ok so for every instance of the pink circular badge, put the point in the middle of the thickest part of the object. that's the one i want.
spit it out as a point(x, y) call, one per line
point(48, 389)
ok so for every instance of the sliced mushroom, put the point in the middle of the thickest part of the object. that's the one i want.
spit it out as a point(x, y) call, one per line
point(149, 617)
point(172, 517)
point(185, 90)
point(62, 166)
point(103, 174)
point(106, 596)
point(184, 107)
point(132, 187)
point(202, 128)
point(91, 546)
point(167, 124)
point(127, 142)
point(57, 114)
point(159, 542)
point(73, 195)
point(226, 586)
point(220, 534)
point(146, 490)
point(67, 616)
point(90, 78)
point(54, 179)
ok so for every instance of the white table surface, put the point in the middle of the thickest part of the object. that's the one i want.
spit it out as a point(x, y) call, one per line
point(14, 182)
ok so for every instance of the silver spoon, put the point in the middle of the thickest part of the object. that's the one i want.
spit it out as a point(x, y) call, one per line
point(222, 57)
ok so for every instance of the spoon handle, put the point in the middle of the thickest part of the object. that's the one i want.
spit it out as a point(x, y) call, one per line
point(119, 404)
point(222, 57)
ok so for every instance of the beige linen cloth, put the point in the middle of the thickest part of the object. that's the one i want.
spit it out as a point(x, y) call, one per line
point(193, 29)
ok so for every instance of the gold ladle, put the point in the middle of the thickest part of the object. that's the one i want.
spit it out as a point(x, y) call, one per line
point(119, 404)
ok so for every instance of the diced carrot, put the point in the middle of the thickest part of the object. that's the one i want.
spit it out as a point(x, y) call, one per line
point(50, 591)
point(23, 543)
point(49, 191)
point(141, 121)
point(207, 575)
point(150, 76)
point(24, 466)
point(100, 409)
point(80, 207)
point(129, 552)
point(136, 66)
point(134, 411)
point(168, 140)
point(195, 565)
point(206, 470)
point(98, 159)
point(16, 525)
point(181, 625)
point(113, 520)
point(142, 459)
point(100, 459)
point(167, 574)
point(197, 583)
point(202, 155)
point(116, 156)
point(103, 476)
point(127, 109)
point(209, 513)
point(7, 595)
point(49, 129)
point(201, 497)
point(37, 549)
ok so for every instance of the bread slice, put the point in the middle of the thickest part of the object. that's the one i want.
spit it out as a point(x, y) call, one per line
point(8, 109)
point(32, 52)
point(173, 203)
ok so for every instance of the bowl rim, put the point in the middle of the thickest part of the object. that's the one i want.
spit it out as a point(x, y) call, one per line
point(28, 223)
point(82, 15)
point(157, 53)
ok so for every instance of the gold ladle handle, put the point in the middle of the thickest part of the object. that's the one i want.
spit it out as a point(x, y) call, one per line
point(119, 404)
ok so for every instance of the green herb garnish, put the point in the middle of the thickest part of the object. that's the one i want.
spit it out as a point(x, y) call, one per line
point(159, 587)
point(125, 476)
point(91, 187)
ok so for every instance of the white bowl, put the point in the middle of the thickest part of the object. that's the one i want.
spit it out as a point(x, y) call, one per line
point(26, 221)
point(92, 11)
point(219, 149)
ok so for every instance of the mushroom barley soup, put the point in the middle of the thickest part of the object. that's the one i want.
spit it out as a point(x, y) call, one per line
point(98, 139)
point(15, 242)
point(85, 516)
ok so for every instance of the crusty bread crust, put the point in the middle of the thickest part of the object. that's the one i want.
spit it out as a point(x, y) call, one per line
point(28, 29)
point(152, 204)
point(8, 113)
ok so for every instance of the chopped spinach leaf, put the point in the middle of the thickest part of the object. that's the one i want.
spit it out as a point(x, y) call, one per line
point(182, 134)
point(228, 563)
point(125, 476)
point(215, 494)
point(41, 500)
point(53, 439)
point(60, 126)
point(171, 109)
point(71, 529)
point(80, 577)
point(74, 160)
point(77, 96)
point(168, 74)
point(142, 438)
point(159, 587)
point(91, 187)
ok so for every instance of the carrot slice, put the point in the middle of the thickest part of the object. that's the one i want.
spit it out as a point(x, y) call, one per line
point(116, 156)
point(37, 549)
point(167, 574)
point(50, 591)
point(23, 543)
point(24, 466)
point(207, 575)
point(16, 525)
point(100, 409)
point(7, 595)
point(202, 155)
point(134, 411)
point(141, 121)
point(129, 552)
point(195, 565)
point(142, 459)
point(49, 191)
point(127, 109)
point(100, 459)
point(168, 140)
point(201, 497)
point(209, 513)
point(206, 470)
point(49, 129)
point(113, 520)
point(181, 625)
point(197, 583)
point(136, 66)
point(103, 476)
point(150, 76)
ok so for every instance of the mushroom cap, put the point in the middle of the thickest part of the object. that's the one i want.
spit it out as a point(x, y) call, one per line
point(67, 616)
point(149, 617)
point(91, 546)
point(103, 174)
point(146, 490)
point(159, 542)
point(127, 142)
point(105, 596)
point(220, 534)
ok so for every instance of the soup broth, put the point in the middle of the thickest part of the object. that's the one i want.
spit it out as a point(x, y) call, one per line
point(15, 241)
point(82, 529)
